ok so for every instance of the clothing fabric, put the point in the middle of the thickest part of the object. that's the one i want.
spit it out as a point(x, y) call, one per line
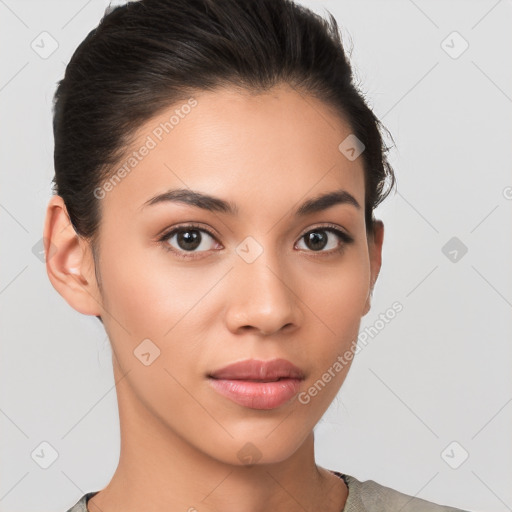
point(367, 496)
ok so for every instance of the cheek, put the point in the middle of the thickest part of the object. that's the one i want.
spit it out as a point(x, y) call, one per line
point(150, 297)
point(144, 294)
point(336, 299)
point(338, 294)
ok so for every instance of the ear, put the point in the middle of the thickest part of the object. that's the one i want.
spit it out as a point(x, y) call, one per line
point(69, 261)
point(375, 241)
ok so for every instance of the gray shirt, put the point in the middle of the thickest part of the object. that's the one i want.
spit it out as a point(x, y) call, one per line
point(367, 496)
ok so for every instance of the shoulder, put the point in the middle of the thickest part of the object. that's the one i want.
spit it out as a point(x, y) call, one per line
point(370, 496)
point(81, 504)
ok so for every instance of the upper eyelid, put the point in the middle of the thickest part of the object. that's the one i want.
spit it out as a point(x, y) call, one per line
point(167, 233)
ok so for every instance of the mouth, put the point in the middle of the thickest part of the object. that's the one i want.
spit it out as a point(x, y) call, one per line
point(258, 384)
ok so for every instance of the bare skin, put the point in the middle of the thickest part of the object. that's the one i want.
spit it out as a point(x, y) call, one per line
point(180, 439)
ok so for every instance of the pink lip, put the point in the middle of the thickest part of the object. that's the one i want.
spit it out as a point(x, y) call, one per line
point(258, 384)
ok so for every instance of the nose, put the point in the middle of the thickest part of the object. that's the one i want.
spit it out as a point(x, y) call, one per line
point(262, 298)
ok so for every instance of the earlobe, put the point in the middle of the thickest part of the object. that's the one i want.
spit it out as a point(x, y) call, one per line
point(69, 261)
point(368, 303)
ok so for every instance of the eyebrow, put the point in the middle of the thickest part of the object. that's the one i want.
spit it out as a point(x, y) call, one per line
point(215, 204)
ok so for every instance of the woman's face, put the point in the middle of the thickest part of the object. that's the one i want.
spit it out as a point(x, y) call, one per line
point(238, 285)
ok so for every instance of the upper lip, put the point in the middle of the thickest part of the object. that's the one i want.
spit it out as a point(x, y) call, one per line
point(253, 369)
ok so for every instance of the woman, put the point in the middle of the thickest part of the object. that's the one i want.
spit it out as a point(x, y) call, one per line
point(216, 172)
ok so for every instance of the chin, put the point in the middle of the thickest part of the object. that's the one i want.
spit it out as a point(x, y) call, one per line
point(259, 450)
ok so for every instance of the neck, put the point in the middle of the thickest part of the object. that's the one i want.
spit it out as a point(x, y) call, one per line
point(159, 470)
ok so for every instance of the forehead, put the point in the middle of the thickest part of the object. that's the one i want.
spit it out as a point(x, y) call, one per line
point(273, 148)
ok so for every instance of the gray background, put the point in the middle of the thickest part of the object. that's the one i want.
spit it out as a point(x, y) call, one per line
point(440, 372)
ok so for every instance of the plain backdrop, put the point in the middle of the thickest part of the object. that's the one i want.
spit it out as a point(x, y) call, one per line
point(427, 406)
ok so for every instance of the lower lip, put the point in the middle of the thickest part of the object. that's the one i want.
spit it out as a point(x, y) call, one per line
point(257, 395)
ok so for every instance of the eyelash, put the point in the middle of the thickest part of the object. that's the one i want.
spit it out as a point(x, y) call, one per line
point(346, 239)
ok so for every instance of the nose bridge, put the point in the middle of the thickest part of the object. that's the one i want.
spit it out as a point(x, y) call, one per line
point(261, 296)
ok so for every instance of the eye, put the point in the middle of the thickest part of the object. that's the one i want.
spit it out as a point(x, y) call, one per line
point(188, 238)
point(317, 239)
point(192, 239)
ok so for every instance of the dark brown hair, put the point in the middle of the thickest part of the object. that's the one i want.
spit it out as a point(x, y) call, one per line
point(147, 55)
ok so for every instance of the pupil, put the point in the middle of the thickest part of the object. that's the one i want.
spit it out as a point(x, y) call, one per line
point(189, 241)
